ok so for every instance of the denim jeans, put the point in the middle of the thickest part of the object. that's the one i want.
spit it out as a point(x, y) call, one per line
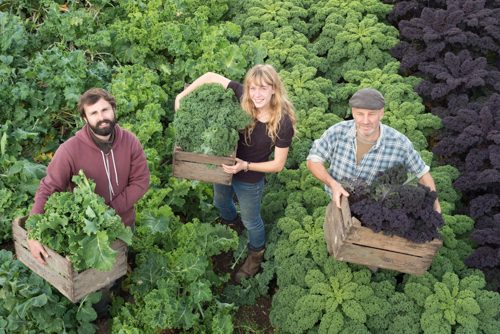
point(249, 197)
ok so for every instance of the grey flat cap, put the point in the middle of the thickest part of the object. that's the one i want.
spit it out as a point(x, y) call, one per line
point(367, 98)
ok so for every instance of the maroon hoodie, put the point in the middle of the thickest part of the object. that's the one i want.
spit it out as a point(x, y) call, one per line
point(121, 176)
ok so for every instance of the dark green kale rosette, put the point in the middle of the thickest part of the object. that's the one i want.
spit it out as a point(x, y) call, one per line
point(209, 120)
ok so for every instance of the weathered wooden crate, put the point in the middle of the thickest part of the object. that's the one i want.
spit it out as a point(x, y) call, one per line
point(348, 241)
point(59, 271)
point(202, 167)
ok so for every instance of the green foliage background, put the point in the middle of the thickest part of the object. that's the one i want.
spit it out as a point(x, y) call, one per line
point(144, 52)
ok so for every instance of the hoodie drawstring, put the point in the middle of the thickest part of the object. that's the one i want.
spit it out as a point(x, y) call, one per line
point(114, 167)
point(108, 174)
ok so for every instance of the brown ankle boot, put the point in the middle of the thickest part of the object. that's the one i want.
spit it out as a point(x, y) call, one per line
point(251, 265)
point(235, 224)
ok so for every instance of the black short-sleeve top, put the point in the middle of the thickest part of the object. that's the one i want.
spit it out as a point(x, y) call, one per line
point(260, 145)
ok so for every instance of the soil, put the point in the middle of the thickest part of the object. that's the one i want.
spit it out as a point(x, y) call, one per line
point(222, 263)
point(8, 245)
point(254, 318)
point(250, 318)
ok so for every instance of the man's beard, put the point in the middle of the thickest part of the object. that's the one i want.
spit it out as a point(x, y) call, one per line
point(103, 131)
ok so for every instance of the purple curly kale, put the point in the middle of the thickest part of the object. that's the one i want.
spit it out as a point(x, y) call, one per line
point(428, 33)
point(457, 73)
point(470, 134)
point(484, 205)
point(487, 236)
point(395, 207)
point(358, 189)
point(455, 49)
point(488, 221)
point(427, 37)
point(482, 22)
point(406, 10)
point(455, 104)
point(484, 257)
point(492, 276)
point(476, 160)
point(494, 154)
point(487, 180)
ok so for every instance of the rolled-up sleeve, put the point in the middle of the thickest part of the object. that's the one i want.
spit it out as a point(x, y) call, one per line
point(321, 148)
point(414, 162)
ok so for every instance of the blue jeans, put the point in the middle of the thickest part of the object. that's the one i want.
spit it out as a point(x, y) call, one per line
point(249, 197)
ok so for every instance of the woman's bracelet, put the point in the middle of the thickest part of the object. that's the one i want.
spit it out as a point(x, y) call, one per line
point(247, 164)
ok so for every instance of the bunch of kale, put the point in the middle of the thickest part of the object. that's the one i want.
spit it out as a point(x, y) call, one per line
point(394, 206)
point(81, 226)
point(208, 121)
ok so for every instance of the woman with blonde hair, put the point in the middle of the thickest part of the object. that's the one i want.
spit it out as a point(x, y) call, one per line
point(262, 96)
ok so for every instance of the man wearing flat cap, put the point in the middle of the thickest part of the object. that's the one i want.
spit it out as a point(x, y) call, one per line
point(362, 147)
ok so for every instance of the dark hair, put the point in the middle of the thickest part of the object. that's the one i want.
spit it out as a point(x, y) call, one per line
point(91, 97)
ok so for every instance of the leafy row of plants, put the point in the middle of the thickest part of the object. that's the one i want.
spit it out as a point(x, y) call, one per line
point(28, 302)
point(173, 285)
point(454, 47)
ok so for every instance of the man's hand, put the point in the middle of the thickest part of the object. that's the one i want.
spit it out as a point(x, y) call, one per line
point(437, 206)
point(337, 192)
point(177, 103)
point(37, 250)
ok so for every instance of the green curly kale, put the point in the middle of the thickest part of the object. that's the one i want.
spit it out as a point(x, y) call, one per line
point(454, 304)
point(354, 42)
point(208, 121)
point(80, 225)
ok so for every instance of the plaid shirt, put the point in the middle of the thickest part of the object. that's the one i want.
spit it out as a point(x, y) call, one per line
point(337, 146)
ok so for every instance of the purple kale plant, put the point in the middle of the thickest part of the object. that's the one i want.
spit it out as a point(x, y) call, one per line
point(487, 255)
point(433, 31)
point(406, 10)
point(471, 133)
point(456, 74)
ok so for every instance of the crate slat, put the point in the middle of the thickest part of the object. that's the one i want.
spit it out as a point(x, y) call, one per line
point(381, 258)
point(202, 167)
point(347, 240)
point(59, 272)
point(203, 158)
point(93, 279)
point(362, 234)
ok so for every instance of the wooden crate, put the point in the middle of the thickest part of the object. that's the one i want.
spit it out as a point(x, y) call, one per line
point(348, 241)
point(59, 271)
point(202, 167)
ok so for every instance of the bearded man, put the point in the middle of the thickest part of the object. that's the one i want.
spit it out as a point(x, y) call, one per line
point(110, 156)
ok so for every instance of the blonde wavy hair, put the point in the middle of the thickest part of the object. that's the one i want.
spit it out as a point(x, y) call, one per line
point(280, 105)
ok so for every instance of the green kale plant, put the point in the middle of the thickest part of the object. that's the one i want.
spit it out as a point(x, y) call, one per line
point(30, 305)
point(208, 121)
point(174, 284)
point(80, 225)
point(354, 42)
point(454, 304)
point(18, 182)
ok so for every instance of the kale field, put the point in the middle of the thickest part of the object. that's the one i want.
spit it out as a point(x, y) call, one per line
point(437, 64)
